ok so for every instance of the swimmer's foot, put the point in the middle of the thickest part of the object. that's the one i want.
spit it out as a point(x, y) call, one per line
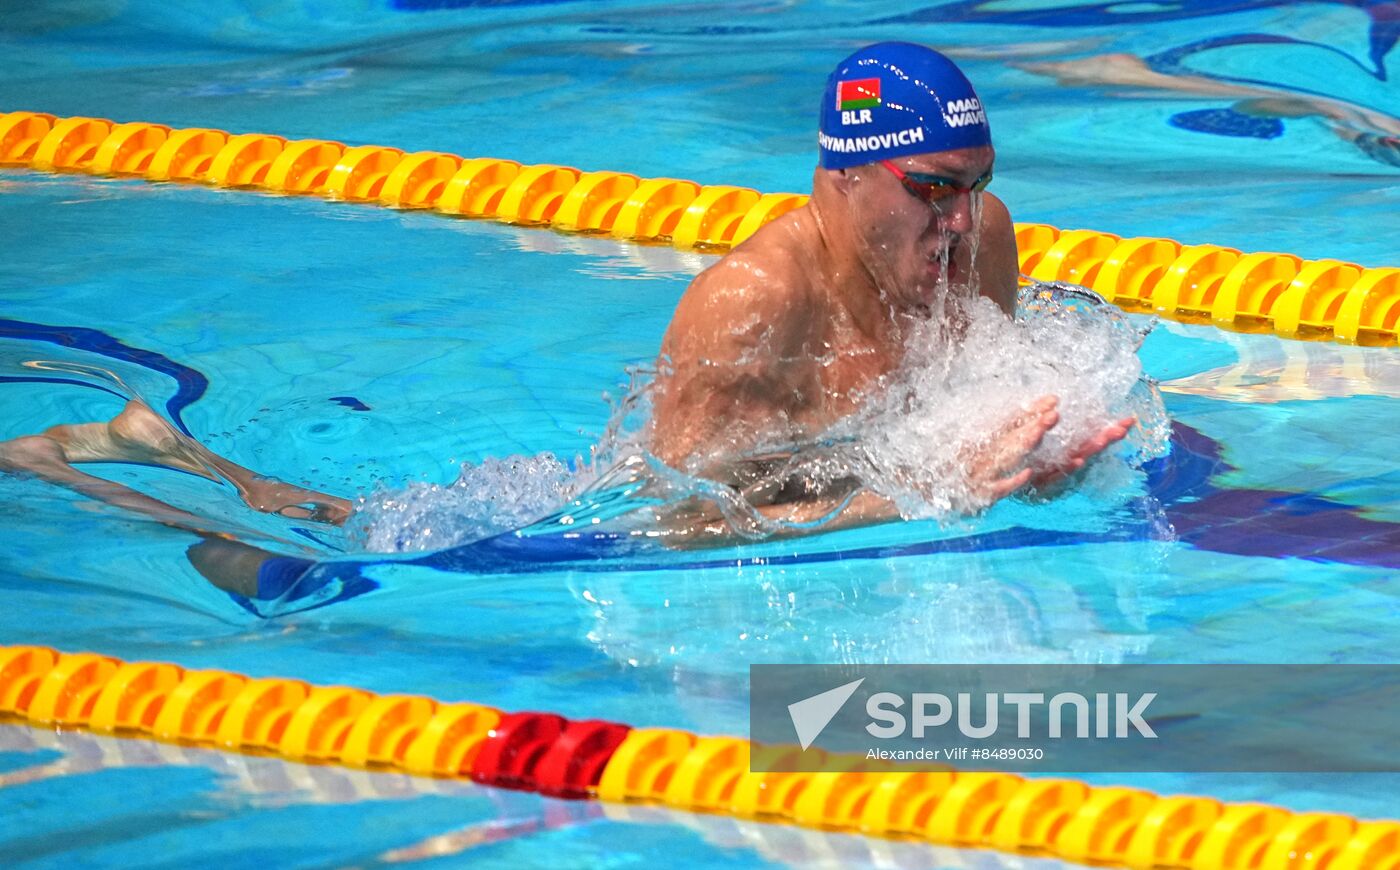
point(46, 459)
point(33, 454)
point(137, 435)
point(272, 496)
point(140, 435)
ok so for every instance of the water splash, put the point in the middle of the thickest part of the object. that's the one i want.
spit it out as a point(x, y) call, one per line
point(965, 372)
point(945, 404)
point(486, 499)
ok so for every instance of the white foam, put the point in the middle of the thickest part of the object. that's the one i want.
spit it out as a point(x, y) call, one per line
point(941, 405)
point(496, 496)
point(910, 442)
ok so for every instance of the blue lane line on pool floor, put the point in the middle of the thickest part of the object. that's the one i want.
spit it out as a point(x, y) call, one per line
point(1246, 522)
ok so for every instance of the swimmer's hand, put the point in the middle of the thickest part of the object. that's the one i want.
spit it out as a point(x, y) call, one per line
point(1048, 478)
point(990, 469)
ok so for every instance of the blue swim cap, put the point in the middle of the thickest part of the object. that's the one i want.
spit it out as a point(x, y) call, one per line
point(896, 98)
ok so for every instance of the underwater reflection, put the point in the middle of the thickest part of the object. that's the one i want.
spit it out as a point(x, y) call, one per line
point(990, 607)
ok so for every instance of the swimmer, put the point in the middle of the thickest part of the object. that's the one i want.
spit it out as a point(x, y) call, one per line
point(786, 334)
point(775, 343)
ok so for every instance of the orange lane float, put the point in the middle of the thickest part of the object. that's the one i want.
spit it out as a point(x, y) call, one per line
point(654, 209)
point(360, 173)
point(20, 135)
point(129, 149)
point(536, 193)
point(418, 181)
point(1248, 292)
point(593, 203)
point(71, 144)
point(609, 761)
point(303, 166)
point(245, 160)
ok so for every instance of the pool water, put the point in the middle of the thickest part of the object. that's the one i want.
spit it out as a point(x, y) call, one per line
point(342, 347)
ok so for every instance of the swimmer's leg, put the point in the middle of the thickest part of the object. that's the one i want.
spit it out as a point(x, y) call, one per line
point(46, 459)
point(267, 583)
point(236, 568)
point(139, 435)
point(245, 570)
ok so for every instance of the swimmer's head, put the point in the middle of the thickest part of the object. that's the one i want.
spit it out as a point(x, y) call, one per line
point(894, 99)
point(905, 151)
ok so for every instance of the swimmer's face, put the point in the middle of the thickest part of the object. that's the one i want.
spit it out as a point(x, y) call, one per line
point(909, 243)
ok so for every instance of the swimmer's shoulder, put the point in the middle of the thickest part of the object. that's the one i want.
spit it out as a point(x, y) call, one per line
point(784, 242)
point(753, 293)
point(996, 216)
point(998, 267)
point(774, 262)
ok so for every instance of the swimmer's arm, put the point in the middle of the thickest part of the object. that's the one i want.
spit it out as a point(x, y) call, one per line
point(686, 529)
point(995, 471)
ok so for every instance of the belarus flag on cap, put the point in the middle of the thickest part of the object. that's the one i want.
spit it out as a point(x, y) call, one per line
point(857, 94)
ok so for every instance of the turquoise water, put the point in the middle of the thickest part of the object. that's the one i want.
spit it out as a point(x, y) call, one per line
point(1269, 535)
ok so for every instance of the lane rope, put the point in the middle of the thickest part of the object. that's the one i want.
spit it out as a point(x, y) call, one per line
point(1328, 300)
point(594, 759)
